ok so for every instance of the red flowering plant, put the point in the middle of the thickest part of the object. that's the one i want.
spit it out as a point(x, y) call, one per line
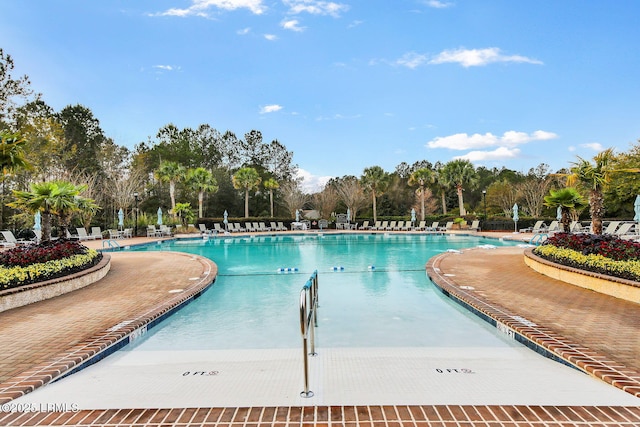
point(23, 256)
point(606, 245)
point(49, 260)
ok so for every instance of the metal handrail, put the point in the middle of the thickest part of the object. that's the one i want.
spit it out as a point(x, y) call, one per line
point(308, 322)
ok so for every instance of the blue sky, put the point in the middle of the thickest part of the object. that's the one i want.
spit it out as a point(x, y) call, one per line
point(347, 84)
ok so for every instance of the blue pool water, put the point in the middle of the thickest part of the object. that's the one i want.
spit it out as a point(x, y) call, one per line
point(373, 292)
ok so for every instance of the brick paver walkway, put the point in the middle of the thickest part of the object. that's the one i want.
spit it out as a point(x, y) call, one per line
point(139, 282)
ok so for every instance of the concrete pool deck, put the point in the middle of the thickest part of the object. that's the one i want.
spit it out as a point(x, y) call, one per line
point(599, 327)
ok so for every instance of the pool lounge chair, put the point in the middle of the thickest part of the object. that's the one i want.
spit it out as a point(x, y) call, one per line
point(281, 226)
point(9, 241)
point(82, 234)
point(391, 226)
point(611, 227)
point(625, 229)
point(422, 226)
point(399, 226)
point(475, 225)
point(365, 226)
point(218, 229)
point(96, 232)
point(263, 227)
point(448, 226)
point(238, 228)
point(384, 225)
point(377, 225)
point(538, 227)
point(407, 226)
point(152, 231)
point(204, 230)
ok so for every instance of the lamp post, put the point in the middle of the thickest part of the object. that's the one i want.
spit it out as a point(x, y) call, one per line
point(484, 199)
point(135, 197)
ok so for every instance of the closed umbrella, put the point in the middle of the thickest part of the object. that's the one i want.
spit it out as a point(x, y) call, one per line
point(348, 215)
point(413, 215)
point(225, 221)
point(297, 215)
point(159, 216)
point(515, 216)
point(37, 221)
point(559, 213)
point(120, 219)
point(636, 208)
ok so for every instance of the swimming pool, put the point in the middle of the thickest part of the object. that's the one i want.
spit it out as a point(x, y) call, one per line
point(385, 336)
point(374, 292)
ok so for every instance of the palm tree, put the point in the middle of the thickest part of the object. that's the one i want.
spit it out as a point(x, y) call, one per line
point(421, 177)
point(595, 177)
point(171, 172)
point(246, 179)
point(567, 199)
point(459, 173)
point(201, 180)
point(52, 198)
point(271, 184)
point(376, 180)
point(11, 159)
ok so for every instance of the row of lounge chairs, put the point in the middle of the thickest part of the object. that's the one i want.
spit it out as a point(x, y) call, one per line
point(235, 227)
point(618, 228)
point(407, 226)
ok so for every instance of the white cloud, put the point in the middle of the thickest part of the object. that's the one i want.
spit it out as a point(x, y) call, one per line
point(270, 108)
point(312, 183)
point(595, 146)
point(201, 7)
point(411, 60)
point(244, 31)
point(463, 141)
point(355, 23)
point(478, 57)
point(500, 153)
point(164, 67)
point(292, 24)
point(316, 7)
point(438, 4)
point(271, 37)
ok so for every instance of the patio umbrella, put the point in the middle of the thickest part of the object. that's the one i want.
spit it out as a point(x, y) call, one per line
point(348, 215)
point(515, 216)
point(297, 215)
point(559, 213)
point(159, 216)
point(37, 221)
point(636, 208)
point(413, 215)
point(225, 221)
point(120, 218)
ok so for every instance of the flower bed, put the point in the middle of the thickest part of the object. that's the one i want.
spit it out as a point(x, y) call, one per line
point(599, 254)
point(49, 260)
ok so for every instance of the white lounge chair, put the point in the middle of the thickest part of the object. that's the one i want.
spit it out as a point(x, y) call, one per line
point(218, 229)
point(399, 226)
point(204, 230)
point(391, 226)
point(448, 226)
point(82, 234)
point(624, 229)
point(281, 226)
point(96, 232)
point(9, 241)
point(263, 227)
point(538, 227)
point(475, 225)
point(365, 226)
point(422, 226)
point(127, 233)
point(611, 227)
point(152, 231)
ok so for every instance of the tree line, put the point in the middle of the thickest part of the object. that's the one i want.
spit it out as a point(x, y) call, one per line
point(196, 173)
